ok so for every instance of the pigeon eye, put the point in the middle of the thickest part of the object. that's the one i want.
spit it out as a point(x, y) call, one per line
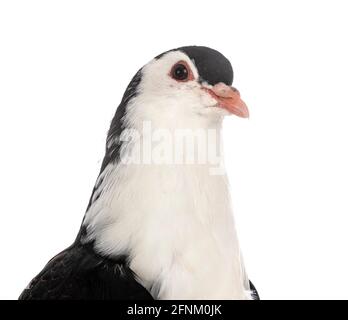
point(181, 72)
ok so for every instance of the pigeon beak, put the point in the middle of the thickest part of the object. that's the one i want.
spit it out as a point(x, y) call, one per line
point(229, 98)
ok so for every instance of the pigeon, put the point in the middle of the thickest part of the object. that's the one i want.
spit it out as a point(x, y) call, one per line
point(159, 223)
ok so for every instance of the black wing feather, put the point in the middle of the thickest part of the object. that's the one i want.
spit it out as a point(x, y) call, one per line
point(254, 293)
point(79, 273)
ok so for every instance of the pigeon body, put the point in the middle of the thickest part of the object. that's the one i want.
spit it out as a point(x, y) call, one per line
point(158, 230)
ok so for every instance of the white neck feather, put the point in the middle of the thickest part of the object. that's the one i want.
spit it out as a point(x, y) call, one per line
point(176, 224)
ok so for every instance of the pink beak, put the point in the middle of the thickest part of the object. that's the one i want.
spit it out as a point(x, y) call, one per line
point(229, 99)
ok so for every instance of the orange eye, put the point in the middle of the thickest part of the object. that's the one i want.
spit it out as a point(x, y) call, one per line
point(181, 72)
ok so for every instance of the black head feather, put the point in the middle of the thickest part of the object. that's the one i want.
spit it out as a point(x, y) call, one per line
point(213, 67)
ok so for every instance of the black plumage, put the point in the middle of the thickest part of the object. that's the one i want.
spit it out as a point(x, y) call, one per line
point(79, 273)
point(213, 67)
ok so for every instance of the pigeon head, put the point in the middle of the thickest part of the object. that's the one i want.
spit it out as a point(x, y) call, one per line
point(183, 84)
point(191, 81)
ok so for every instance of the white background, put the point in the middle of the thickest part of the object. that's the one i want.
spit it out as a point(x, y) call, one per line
point(63, 68)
